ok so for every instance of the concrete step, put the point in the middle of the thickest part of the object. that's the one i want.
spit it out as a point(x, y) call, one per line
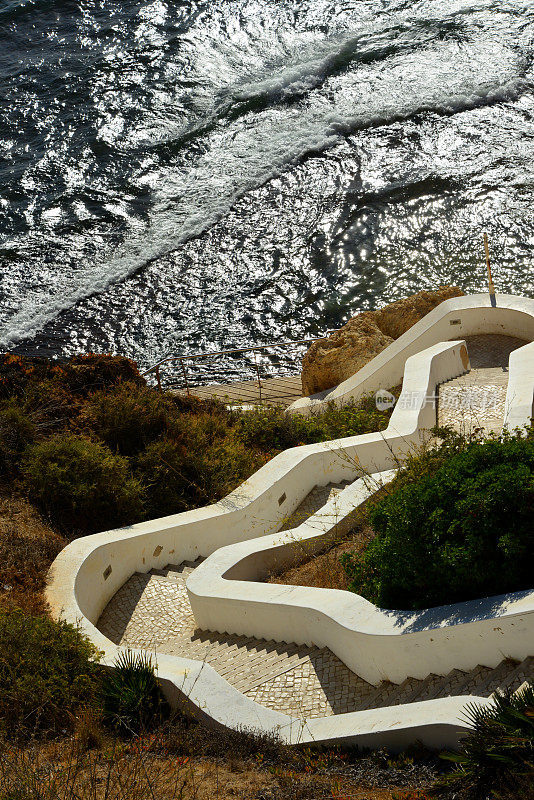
point(173, 577)
point(177, 573)
point(397, 694)
point(517, 675)
point(458, 681)
point(493, 376)
point(427, 689)
point(160, 573)
point(381, 694)
point(493, 678)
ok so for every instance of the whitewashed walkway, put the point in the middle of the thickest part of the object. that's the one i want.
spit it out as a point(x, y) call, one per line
point(151, 611)
point(476, 400)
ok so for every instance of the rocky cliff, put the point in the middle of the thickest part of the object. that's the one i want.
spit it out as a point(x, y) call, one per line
point(331, 361)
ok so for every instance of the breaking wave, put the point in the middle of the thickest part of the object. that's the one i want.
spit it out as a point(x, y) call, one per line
point(258, 129)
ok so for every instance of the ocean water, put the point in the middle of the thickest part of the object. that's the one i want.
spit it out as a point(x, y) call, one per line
point(177, 177)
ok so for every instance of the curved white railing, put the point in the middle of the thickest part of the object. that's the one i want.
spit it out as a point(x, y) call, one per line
point(454, 318)
point(89, 571)
point(519, 404)
point(376, 644)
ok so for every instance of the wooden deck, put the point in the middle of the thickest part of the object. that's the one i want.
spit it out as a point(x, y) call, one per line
point(281, 391)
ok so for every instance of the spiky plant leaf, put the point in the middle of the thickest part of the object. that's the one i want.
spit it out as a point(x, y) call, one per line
point(132, 699)
point(498, 753)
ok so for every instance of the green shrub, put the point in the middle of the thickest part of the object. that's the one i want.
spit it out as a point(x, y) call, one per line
point(274, 429)
point(127, 416)
point(81, 484)
point(206, 452)
point(496, 759)
point(353, 418)
point(165, 470)
point(51, 404)
point(131, 697)
point(462, 531)
point(17, 431)
point(47, 673)
point(198, 469)
point(226, 465)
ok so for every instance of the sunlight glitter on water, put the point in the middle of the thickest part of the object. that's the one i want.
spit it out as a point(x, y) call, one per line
point(194, 176)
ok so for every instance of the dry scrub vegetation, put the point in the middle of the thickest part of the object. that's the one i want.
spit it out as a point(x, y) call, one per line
point(197, 764)
point(324, 569)
point(28, 545)
point(86, 445)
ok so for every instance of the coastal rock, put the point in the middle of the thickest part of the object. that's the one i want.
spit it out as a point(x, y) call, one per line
point(330, 361)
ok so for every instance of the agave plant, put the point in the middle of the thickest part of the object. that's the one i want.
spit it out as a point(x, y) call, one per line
point(132, 698)
point(496, 759)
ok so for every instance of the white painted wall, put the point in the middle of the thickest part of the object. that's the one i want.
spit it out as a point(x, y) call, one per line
point(454, 318)
point(519, 405)
point(89, 571)
point(376, 644)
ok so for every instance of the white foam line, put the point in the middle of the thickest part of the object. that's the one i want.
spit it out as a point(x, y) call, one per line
point(241, 158)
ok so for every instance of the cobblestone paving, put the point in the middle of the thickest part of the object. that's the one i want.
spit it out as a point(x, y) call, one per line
point(477, 399)
point(315, 500)
point(152, 611)
point(148, 610)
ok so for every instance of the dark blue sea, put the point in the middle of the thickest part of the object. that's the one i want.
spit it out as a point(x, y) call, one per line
point(184, 176)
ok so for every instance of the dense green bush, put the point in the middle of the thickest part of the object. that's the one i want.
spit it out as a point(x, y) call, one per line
point(47, 673)
point(81, 484)
point(97, 447)
point(17, 431)
point(462, 531)
point(196, 470)
point(205, 452)
point(127, 416)
point(496, 758)
point(273, 429)
point(165, 470)
point(131, 698)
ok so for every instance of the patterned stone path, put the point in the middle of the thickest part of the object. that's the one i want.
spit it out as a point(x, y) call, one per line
point(152, 611)
point(477, 399)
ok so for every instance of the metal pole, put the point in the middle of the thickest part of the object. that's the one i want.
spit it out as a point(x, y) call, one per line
point(257, 371)
point(158, 379)
point(490, 278)
point(185, 376)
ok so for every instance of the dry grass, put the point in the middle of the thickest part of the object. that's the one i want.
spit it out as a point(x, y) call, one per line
point(143, 769)
point(324, 570)
point(27, 548)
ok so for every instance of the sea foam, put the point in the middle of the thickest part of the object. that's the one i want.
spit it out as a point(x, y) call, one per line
point(238, 155)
